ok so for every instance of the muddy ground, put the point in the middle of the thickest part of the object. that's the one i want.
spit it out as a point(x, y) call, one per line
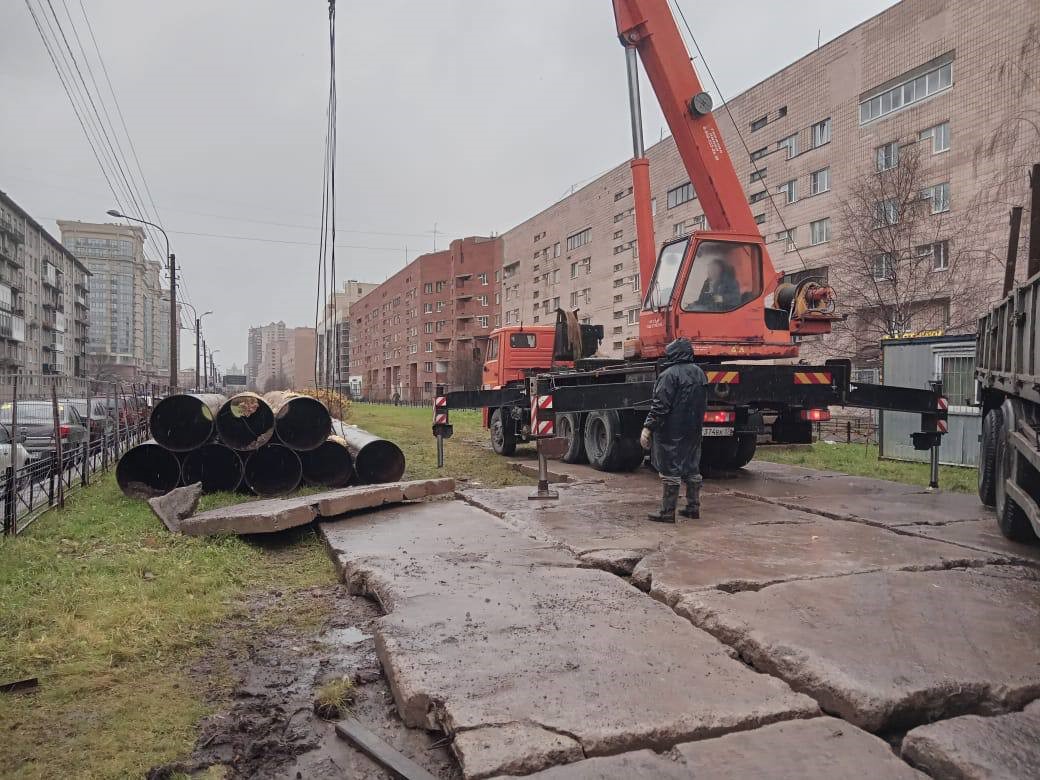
point(272, 669)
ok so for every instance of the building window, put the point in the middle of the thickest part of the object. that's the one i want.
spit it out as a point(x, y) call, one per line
point(633, 316)
point(679, 195)
point(790, 144)
point(821, 133)
point(758, 154)
point(581, 238)
point(939, 136)
point(618, 234)
point(619, 283)
point(574, 270)
point(498, 298)
point(427, 308)
point(887, 156)
point(679, 229)
point(427, 327)
point(787, 236)
point(441, 285)
point(758, 124)
point(819, 181)
point(427, 288)
point(482, 300)
point(910, 91)
point(618, 330)
point(939, 252)
point(760, 219)
point(619, 315)
point(429, 346)
point(789, 189)
point(939, 195)
point(618, 298)
point(757, 175)
point(622, 193)
point(820, 231)
point(757, 196)
point(556, 249)
point(884, 267)
point(482, 278)
point(886, 213)
point(635, 282)
point(957, 373)
point(618, 267)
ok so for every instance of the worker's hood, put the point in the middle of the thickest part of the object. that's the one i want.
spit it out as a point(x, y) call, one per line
point(679, 351)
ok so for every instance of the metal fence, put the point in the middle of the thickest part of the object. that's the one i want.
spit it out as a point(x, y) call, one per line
point(57, 431)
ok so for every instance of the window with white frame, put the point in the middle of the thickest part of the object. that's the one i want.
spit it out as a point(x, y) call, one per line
point(789, 189)
point(574, 270)
point(788, 237)
point(939, 135)
point(884, 267)
point(790, 144)
point(821, 133)
point(886, 212)
point(679, 229)
point(758, 154)
point(908, 92)
point(679, 195)
point(820, 181)
point(820, 231)
point(939, 252)
point(482, 320)
point(939, 197)
point(482, 278)
point(956, 369)
point(886, 156)
point(758, 175)
point(482, 300)
point(427, 308)
point(556, 249)
point(581, 238)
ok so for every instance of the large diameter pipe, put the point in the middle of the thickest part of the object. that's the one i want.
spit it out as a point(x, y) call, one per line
point(217, 467)
point(245, 422)
point(184, 421)
point(273, 470)
point(148, 470)
point(328, 465)
point(300, 421)
point(375, 459)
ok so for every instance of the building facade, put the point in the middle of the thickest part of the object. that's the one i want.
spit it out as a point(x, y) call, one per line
point(428, 324)
point(128, 338)
point(922, 80)
point(280, 358)
point(43, 299)
point(333, 336)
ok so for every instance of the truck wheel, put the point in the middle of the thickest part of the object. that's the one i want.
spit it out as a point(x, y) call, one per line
point(991, 425)
point(631, 456)
point(503, 440)
point(718, 453)
point(745, 451)
point(568, 426)
point(603, 443)
point(1013, 522)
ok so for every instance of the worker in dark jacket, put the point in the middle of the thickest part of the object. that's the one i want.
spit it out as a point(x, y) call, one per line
point(674, 428)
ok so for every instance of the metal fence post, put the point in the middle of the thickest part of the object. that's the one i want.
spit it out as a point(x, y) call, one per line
point(13, 478)
point(58, 446)
point(10, 506)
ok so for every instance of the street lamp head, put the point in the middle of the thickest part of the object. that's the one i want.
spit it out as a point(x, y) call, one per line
point(114, 213)
point(204, 314)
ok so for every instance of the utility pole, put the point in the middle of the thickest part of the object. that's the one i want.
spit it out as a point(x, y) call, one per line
point(198, 330)
point(174, 330)
point(205, 370)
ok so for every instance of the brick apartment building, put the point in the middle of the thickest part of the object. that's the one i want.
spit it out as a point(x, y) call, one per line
point(333, 342)
point(428, 323)
point(922, 74)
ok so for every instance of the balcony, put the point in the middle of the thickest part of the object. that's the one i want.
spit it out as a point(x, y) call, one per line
point(9, 252)
point(49, 319)
point(9, 229)
point(50, 276)
point(53, 300)
point(12, 355)
point(13, 279)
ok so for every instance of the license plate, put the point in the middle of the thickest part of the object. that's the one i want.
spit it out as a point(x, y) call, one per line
point(713, 430)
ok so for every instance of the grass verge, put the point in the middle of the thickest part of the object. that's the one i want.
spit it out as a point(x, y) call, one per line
point(862, 460)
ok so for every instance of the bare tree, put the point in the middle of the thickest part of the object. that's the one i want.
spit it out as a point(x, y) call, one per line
point(906, 264)
point(467, 371)
point(278, 381)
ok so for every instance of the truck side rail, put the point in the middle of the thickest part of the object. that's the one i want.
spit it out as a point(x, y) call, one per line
point(1007, 357)
point(479, 399)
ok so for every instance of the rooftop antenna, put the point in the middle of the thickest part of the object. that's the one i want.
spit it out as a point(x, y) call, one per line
point(818, 38)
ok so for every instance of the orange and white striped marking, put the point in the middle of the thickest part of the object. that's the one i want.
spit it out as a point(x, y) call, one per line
point(723, 377)
point(542, 402)
point(812, 377)
point(440, 419)
point(543, 428)
point(943, 405)
point(441, 400)
point(941, 426)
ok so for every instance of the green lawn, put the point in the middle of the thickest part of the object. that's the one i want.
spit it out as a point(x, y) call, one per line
point(862, 460)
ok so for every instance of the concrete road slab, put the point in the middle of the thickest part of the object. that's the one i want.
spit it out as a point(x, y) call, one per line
point(778, 480)
point(890, 650)
point(980, 535)
point(816, 749)
point(488, 629)
point(749, 556)
point(1005, 747)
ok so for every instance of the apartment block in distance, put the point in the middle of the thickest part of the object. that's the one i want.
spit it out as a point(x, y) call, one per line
point(129, 332)
point(921, 76)
point(428, 324)
point(280, 358)
point(43, 300)
point(333, 342)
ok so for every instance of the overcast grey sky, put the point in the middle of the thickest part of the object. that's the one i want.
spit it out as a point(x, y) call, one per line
point(468, 114)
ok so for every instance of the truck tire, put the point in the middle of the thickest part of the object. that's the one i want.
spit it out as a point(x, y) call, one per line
point(991, 425)
point(718, 453)
point(1013, 522)
point(503, 439)
point(569, 427)
point(747, 443)
point(603, 442)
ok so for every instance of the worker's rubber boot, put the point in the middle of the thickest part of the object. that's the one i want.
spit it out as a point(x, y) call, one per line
point(692, 510)
point(669, 499)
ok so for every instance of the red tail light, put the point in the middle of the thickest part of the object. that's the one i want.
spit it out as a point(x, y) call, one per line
point(63, 431)
point(717, 417)
point(816, 415)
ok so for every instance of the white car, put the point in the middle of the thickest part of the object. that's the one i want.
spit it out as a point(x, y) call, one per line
point(5, 449)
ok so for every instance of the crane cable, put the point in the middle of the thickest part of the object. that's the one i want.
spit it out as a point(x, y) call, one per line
point(736, 127)
point(325, 304)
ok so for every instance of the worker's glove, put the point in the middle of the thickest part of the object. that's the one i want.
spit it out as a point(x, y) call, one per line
point(644, 438)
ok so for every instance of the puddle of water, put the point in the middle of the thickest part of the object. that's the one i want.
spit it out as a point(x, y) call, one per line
point(345, 636)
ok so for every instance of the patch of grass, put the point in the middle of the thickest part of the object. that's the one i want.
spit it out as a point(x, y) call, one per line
point(333, 699)
point(862, 460)
point(410, 428)
point(109, 610)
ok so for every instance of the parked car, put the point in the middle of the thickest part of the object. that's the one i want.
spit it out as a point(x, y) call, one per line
point(100, 418)
point(36, 423)
point(6, 447)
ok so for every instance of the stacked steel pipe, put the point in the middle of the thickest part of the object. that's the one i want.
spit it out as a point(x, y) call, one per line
point(268, 444)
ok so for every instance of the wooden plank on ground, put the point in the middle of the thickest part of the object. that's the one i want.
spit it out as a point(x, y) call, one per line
point(378, 750)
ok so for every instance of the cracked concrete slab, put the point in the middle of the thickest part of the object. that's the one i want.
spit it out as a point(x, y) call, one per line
point(815, 749)
point(752, 556)
point(971, 747)
point(488, 628)
point(890, 650)
point(980, 535)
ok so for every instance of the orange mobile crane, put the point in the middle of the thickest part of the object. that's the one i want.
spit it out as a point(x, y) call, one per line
point(599, 405)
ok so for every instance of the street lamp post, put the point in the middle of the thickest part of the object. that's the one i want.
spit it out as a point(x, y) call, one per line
point(172, 260)
point(198, 336)
point(213, 366)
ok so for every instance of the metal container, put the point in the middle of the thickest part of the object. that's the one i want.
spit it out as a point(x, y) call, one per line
point(184, 421)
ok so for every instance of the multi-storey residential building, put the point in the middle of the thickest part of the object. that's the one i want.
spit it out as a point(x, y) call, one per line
point(298, 358)
point(280, 358)
point(43, 299)
point(334, 333)
point(923, 75)
point(129, 330)
point(428, 323)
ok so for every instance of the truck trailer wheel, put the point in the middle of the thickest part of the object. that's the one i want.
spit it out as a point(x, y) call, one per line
point(568, 426)
point(1013, 522)
point(991, 425)
point(603, 443)
point(745, 451)
point(503, 440)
